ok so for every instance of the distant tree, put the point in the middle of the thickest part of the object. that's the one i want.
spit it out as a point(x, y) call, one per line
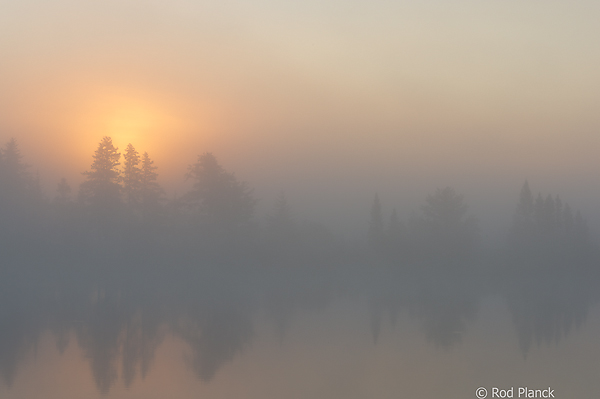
point(448, 229)
point(376, 229)
point(569, 220)
point(581, 232)
point(14, 172)
point(63, 192)
point(102, 187)
point(539, 213)
point(395, 233)
point(18, 187)
point(281, 231)
point(395, 228)
point(150, 191)
point(21, 205)
point(558, 211)
point(15, 180)
point(217, 196)
point(523, 229)
point(552, 230)
point(131, 175)
point(525, 206)
point(549, 216)
point(280, 222)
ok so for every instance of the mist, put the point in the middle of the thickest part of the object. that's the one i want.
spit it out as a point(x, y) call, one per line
point(120, 269)
point(324, 199)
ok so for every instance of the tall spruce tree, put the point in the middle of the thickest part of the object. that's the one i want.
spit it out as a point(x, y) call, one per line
point(63, 192)
point(102, 187)
point(150, 190)
point(449, 231)
point(376, 229)
point(131, 176)
point(523, 228)
point(217, 196)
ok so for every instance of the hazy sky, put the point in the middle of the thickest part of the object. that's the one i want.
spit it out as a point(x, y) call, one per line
point(325, 99)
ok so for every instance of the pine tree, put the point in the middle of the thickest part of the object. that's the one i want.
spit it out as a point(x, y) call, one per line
point(150, 190)
point(280, 226)
point(558, 221)
point(525, 206)
point(549, 215)
point(395, 229)
point(580, 232)
point(376, 235)
point(131, 176)
point(102, 187)
point(523, 228)
point(538, 213)
point(449, 230)
point(63, 192)
point(217, 196)
point(281, 217)
point(568, 220)
point(14, 175)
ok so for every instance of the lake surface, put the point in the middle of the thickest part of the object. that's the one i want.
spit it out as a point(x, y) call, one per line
point(359, 332)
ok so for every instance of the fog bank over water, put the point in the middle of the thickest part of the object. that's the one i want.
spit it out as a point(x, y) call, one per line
point(338, 191)
point(322, 199)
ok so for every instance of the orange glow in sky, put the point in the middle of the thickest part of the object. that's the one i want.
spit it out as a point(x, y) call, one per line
point(127, 120)
point(284, 94)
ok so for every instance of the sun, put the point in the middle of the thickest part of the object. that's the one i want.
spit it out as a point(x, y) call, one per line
point(131, 124)
point(127, 118)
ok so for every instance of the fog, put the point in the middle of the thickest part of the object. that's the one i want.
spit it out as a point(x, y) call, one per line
point(324, 199)
point(105, 274)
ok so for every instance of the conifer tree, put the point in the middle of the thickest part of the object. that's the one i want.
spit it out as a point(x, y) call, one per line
point(549, 215)
point(14, 176)
point(280, 226)
point(131, 175)
point(580, 232)
point(523, 228)
point(150, 190)
point(558, 210)
point(525, 206)
point(217, 196)
point(376, 235)
point(449, 231)
point(102, 187)
point(63, 192)
point(568, 220)
point(395, 229)
point(538, 212)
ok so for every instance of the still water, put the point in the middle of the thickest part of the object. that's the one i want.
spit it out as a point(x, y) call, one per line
point(362, 332)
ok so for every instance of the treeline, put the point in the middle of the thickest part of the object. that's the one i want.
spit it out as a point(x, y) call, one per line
point(121, 214)
point(445, 230)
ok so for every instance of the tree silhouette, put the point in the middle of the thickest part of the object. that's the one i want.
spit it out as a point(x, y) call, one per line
point(395, 234)
point(14, 172)
point(376, 233)
point(131, 175)
point(102, 187)
point(150, 190)
point(523, 228)
point(17, 186)
point(63, 192)
point(217, 196)
point(448, 230)
point(280, 224)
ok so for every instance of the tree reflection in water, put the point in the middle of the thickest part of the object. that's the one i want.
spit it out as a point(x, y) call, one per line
point(120, 324)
